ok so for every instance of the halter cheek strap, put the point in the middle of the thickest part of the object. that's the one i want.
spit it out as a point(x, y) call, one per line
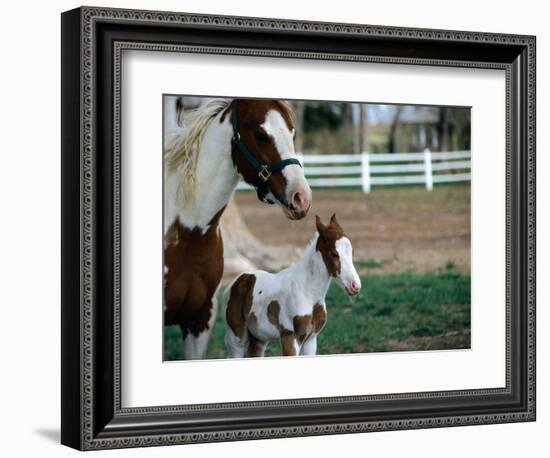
point(263, 171)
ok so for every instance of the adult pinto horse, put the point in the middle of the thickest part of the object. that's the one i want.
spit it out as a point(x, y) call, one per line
point(223, 142)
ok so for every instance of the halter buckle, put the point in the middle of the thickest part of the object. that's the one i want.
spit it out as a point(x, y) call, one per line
point(264, 173)
point(236, 136)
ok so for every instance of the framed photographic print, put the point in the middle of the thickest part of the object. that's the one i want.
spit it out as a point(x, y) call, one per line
point(277, 228)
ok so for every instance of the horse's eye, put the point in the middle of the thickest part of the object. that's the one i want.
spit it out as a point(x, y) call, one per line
point(335, 255)
point(261, 137)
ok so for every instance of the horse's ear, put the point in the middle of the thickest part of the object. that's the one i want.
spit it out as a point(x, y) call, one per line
point(334, 222)
point(320, 226)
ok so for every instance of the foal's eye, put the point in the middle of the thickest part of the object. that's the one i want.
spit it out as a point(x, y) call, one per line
point(335, 255)
point(261, 137)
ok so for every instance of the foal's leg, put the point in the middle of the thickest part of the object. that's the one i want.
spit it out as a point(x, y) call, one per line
point(289, 343)
point(236, 347)
point(256, 347)
point(309, 347)
point(195, 343)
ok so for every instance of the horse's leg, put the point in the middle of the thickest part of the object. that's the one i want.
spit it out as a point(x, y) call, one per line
point(194, 346)
point(195, 343)
point(309, 347)
point(256, 347)
point(236, 347)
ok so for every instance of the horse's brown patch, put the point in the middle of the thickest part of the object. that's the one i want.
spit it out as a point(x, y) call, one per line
point(273, 310)
point(318, 318)
point(288, 347)
point(326, 244)
point(302, 327)
point(240, 302)
point(251, 321)
point(193, 269)
point(172, 235)
point(251, 115)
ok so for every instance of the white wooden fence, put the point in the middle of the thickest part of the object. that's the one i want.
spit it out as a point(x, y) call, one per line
point(366, 170)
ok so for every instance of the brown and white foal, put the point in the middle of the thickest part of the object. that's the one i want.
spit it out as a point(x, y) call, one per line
point(290, 304)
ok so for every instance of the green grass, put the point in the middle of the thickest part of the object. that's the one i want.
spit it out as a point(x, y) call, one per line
point(450, 265)
point(390, 307)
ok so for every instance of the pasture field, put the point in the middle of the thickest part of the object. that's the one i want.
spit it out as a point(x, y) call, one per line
point(412, 251)
point(400, 311)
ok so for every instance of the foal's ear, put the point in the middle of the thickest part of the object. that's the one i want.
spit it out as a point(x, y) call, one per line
point(320, 226)
point(334, 222)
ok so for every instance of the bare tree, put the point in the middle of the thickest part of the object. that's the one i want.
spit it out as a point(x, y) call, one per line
point(364, 127)
point(299, 108)
point(356, 128)
point(443, 128)
point(393, 129)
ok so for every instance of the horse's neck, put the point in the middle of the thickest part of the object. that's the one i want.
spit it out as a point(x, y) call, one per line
point(216, 180)
point(313, 273)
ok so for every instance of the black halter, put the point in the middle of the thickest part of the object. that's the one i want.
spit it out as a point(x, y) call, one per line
point(263, 171)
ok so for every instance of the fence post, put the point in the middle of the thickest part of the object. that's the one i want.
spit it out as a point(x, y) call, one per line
point(365, 172)
point(428, 169)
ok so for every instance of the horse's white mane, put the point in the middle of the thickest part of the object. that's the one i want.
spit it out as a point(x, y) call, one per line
point(181, 153)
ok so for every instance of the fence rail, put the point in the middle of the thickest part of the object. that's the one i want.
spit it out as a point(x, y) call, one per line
point(366, 170)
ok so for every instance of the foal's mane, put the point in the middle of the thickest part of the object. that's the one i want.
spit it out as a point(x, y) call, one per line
point(181, 153)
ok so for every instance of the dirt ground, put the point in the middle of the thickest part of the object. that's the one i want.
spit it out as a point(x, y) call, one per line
point(391, 229)
point(449, 341)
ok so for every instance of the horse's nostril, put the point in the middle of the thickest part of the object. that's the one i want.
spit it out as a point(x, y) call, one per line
point(297, 200)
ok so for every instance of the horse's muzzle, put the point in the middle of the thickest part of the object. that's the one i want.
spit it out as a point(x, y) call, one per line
point(299, 202)
point(292, 212)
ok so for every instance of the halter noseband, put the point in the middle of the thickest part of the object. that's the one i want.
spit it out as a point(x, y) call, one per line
point(263, 171)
